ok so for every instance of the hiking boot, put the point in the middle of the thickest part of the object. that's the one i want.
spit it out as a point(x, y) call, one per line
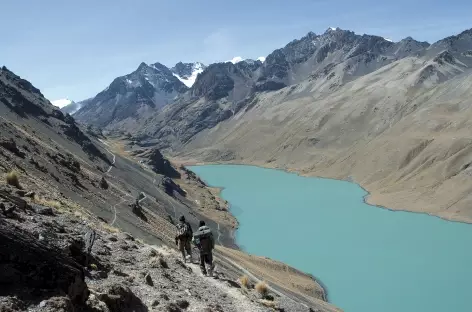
point(210, 271)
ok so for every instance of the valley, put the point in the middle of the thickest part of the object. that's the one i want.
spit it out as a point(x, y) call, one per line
point(393, 117)
point(69, 193)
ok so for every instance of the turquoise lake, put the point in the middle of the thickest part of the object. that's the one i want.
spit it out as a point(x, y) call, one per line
point(368, 258)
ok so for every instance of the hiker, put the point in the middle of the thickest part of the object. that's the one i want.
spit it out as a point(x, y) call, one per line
point(203, 238)
point(184, 237)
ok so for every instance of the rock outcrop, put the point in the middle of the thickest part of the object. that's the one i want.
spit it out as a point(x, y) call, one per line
point(158, 163)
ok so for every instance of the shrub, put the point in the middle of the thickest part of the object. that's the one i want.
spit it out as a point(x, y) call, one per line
point(93, 266)
point(262, 288)
point(103, 183)
point(12, 179)
point(244, 280)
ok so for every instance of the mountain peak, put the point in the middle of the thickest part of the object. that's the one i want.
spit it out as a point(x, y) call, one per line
point(142, 66)
point(330, 29)
point(159, 66)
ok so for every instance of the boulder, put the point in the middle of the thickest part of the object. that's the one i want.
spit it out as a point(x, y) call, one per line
point(148, 280)
point(36, 265)
point(42, 210)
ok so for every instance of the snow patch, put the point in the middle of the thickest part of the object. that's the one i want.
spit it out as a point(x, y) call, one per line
point(389, 40)
point(129, 81)
point(197, 69)
point(61, 103)
point(236, 59)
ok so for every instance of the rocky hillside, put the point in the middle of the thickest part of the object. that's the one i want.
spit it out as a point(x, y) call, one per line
point(66, 199)
point(401, 131)
point(89, 268)
point(327, 61)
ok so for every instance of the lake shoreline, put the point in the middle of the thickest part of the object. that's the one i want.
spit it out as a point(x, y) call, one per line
point(349, 179)
point(416, 245)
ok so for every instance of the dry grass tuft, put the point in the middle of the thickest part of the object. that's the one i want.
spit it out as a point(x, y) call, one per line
point(110, 228)
point(244, 281)
point(262, 288)
point(47, 202)
point(12, 179)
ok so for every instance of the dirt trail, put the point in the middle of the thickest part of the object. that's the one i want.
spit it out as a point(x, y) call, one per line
point(239, 300)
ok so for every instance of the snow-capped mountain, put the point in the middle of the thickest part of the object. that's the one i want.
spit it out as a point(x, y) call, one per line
point(67, 106)
point(187, 72)
point(138, 94)
point(61, 103)
point(72, 108)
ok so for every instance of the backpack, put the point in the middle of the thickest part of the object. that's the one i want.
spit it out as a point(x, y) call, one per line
point(188, 230)
point(201, 235)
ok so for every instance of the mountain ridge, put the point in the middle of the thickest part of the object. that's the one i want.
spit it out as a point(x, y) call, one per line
point(364, 98)
point(298, 60)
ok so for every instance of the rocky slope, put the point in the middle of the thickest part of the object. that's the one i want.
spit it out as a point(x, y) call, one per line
point(53, 261)
point(66, 197)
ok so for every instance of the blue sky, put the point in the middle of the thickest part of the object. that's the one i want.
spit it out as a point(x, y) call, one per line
point(75, 49)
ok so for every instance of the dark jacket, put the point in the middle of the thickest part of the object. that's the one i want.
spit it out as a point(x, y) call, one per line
point(184, 231)
point(204, 240)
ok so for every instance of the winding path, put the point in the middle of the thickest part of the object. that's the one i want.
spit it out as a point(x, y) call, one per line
point(218, 239)
point(256, 279)
point(113, 155)
point(108, 171)
point(114, 209)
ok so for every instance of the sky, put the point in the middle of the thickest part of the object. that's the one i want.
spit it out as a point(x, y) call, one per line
point(74, 49)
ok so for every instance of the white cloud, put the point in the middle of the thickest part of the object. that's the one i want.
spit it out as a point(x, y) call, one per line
point(261, 58)
point(61, 103)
